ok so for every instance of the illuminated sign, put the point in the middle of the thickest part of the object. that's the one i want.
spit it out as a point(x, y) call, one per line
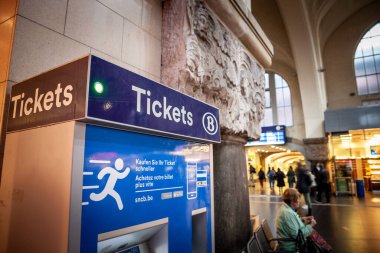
point(375, 150)
point(96, 91)
point(128, 100)
point(54, 96)
point(273, 135)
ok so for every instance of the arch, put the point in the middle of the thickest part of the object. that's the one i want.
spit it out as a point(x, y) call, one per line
point(367, 62)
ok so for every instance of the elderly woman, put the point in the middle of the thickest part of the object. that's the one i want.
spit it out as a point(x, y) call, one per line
point(288, 223)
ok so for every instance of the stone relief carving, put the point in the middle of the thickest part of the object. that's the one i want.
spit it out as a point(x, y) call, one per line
point(220, 71)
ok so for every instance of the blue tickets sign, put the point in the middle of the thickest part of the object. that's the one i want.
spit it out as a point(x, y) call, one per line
point(144, 191)
point(119, 96)
point(93, 90)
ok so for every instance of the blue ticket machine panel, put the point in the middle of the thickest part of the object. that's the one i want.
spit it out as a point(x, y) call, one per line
point(145, 193)
point(139, 187)
point(143, 189)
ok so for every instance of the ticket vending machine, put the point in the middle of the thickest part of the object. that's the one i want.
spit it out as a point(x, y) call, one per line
point(100, 159)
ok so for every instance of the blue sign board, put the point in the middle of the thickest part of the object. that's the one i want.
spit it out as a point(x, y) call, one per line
point(93, 90)
point(273, 135)
point(119, 96)
point(131, 179)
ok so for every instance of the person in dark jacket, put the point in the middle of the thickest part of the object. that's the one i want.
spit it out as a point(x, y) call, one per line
point(303, 185)
point(291, 175)
point(324, 184)
point(252, 171)
point(280, 180)
point(261, 176)
point(317, 177)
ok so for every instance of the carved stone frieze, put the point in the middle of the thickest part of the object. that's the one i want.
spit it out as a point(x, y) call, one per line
point(217, 69)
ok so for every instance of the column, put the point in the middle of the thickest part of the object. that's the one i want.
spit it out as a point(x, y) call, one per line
point(231, 201)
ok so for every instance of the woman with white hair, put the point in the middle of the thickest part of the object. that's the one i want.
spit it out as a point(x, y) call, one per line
point(289, 224)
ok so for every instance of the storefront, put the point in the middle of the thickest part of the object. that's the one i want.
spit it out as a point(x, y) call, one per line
point(355, 155)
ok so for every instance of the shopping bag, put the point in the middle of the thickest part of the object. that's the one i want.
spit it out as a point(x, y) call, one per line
point(316, 240)
point(310, 247)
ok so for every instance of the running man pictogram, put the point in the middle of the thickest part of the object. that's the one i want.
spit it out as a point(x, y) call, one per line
point(114, 175)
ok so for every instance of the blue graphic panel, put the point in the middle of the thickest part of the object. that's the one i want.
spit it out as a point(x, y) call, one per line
point(119, 96)
point(131, 178)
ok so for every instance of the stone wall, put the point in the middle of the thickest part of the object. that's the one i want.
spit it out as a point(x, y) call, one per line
point(51, 33)
point(316, 149)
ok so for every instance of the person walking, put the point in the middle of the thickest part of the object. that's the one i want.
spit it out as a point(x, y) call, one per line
point(324, 184)
point(316, 188)
point(252, 171)
point(291, 175)
point(261, 176)
point(280, 180)
point(303, 184)
point(272, 177)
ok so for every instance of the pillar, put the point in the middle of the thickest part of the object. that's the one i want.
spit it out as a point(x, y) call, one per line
point(231, 201)
point(219, 59)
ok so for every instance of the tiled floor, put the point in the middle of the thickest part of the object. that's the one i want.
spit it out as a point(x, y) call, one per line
point(349, 224)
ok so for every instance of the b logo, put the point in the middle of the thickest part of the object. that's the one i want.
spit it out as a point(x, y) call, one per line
point(210, 124)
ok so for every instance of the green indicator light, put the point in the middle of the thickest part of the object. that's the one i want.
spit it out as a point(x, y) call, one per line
point(98, 86)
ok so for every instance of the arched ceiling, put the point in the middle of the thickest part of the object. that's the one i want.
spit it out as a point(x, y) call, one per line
point(277, 154)
point(285, 157)
point(324, 17)
point(269, 18)
point(330, 15)
point(298, 30)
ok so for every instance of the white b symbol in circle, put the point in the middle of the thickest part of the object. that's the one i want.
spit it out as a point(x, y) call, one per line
point(210, 123)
